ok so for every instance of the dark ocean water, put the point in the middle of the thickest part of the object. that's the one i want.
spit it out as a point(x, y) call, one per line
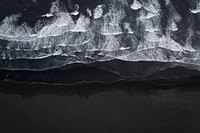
point(123, 109)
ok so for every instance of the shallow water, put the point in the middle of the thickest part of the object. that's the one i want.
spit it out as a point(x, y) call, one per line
point(104, 110)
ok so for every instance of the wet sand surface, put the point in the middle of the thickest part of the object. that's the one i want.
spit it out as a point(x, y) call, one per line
point(104, 110)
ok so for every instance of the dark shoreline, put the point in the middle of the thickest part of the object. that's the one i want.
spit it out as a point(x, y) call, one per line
point(106, 72)
point(86, 89)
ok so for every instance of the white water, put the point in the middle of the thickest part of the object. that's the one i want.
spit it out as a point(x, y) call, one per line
point(112, 20)
point(197, 10)
point(169, 43)
point(127, 27)
point(148, 15)
point(152, 8)
point(89, 12)
point(62, 24)
point(111, 44)
point(63, 36)
point(75, 12)
point(98, 12)
point(55, 8)
point(47, 15)
point(172, 26)
point(81, 25)
point(188, 43)
point(136, 5)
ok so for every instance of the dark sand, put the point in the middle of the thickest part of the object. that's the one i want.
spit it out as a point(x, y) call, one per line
point(57, 109)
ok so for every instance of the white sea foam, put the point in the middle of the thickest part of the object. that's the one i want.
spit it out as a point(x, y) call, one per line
point(128, 28)
point(188, 46)
point(152, 8)
point(63, 36)
point(98, 12)
point(124, 48)
point(136, 5)
point(47, 15)
point(172, 26)
point(152, 37)
point(89, 12)
point(197, 10)
point(111, 44)
point(75, 12)
point(169, 43)
point(62, 24)
point(149, 15)
point(8, 25)
point(55, 8)
point(112, 20)
point(81, 25)
point(149, 26)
